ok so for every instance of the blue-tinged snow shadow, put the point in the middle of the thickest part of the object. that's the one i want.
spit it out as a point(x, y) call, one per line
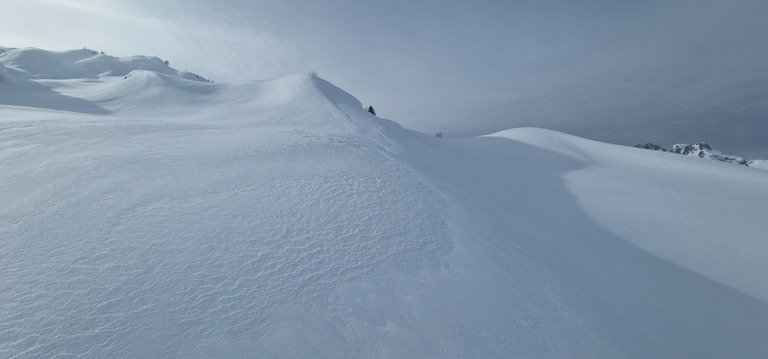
point(27, 93)
point(642, 305)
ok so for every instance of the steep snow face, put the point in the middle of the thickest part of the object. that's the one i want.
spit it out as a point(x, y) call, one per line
point(153, 216)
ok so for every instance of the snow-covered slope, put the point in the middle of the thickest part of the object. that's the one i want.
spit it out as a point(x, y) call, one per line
point(758, 164)
point(80, 64)
point(156, 216)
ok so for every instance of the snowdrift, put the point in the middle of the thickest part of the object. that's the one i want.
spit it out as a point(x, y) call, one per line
point(148, 214)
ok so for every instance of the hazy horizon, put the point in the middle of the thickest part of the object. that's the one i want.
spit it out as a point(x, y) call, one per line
point(619, 72)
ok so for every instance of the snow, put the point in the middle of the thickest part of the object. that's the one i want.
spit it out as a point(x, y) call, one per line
point(763, 164)
point(706, 218)
point(146, 214)
point(80, 64)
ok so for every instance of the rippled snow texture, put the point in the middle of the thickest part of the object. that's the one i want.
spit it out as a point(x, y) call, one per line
point(166, 242)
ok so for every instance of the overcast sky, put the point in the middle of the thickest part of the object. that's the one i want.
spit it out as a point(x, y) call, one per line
point(616, 70)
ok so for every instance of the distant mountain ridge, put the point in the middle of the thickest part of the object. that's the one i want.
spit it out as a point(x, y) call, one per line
point(33, 63)
point(701, 150)
point(91, 82)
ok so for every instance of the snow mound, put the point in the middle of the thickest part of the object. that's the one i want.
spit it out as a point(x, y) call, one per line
point(671, 207)
point(25, 92)
point(79, 64)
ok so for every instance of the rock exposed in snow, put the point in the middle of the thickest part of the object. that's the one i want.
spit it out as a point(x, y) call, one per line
point(701, 149)
point(688, 150)
point(651, 146)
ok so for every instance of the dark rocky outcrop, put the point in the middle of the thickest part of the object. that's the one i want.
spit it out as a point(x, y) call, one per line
point(701, 149)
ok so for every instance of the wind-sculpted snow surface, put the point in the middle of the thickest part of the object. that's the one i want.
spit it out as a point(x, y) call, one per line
point(144, 239)
point(280, 219)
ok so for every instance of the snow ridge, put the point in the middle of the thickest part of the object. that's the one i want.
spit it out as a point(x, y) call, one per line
point(32, 63)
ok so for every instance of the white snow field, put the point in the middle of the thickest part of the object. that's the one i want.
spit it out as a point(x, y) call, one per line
point(148, 213)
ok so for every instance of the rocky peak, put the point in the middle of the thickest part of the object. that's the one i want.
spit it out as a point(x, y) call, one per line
point(690, 150)
point(701, 149)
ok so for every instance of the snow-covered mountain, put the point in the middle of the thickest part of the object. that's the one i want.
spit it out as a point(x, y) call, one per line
point(32, 63)
point(701, 150)
point(148, 214)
